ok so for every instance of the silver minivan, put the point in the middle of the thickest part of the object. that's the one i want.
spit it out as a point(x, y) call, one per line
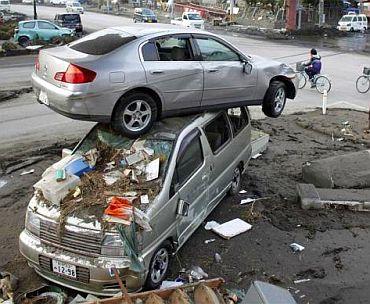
point(202, 159)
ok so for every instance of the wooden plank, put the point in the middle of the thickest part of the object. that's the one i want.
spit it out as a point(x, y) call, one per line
point(163, 293)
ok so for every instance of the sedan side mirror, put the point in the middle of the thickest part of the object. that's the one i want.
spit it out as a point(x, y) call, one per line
point(182, 208)
point(247, 67)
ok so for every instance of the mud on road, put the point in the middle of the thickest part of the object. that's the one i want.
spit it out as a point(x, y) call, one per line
point(336, 242)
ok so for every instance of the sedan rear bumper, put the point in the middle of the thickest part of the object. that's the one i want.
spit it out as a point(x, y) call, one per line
point(65, 102)
point(93, 274)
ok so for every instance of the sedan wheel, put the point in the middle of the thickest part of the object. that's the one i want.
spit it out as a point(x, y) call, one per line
point(135, 114)
point(159, 266)
point(275, 99)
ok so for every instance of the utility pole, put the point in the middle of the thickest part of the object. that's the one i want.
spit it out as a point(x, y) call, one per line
point(231, 10)
point(34, 10)
point(321, 13)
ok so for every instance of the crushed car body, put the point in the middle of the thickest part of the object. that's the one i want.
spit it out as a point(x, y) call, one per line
point(124, 204)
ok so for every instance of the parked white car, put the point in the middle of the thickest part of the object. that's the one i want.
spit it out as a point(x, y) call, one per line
point(5, 5)
point(74, 7)
point(27, 1)
point(353, 22)
point(189, 19)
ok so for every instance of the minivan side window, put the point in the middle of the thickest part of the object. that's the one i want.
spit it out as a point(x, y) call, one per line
point(29, 25)
point(190, 158)
point(238, 118)
point(218, 133)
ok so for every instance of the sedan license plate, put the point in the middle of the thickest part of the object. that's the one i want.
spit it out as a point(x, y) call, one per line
point(64, 269)
point(44, 98)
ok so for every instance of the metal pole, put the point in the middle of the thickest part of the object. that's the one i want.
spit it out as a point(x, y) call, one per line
point(321, 12)
point(231, 10)
point(34, 10)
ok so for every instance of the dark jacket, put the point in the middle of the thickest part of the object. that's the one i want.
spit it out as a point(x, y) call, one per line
point(315, 64)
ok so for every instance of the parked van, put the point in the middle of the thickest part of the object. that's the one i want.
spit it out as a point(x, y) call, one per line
point(202, 158)
point(74, 7)
point(353, 22)
point(5, 5)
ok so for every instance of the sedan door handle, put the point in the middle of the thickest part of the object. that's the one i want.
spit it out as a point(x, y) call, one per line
point(156, 72)
point(212, 70)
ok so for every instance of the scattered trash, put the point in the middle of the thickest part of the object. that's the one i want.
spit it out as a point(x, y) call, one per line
point(242, 191)
point(144, 199)
point(2, 183)
point(77, 192)
point(60, 175)
point(169, 284)
point(44, 294)
point(256, 155)
point(340, 139)
point(111, 177)
point(218, 258)
point(296, 247)
point(77, 166)
point(299, 225)
point(152, 170)
point(27, 172)
point(209, 241)
point(134, 158)
point(345, 123)
point(261, 292)
point(8, 284)
point(301, 281)
point(302, 296)
point(232, 228)
point(210, 225)
point(247, 201)
point(197, 273)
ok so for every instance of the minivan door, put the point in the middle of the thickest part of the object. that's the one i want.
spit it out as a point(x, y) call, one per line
point(170, 68)
point(191, 181)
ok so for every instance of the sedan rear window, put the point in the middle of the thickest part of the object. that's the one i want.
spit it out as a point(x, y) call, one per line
point(71, 18)
point(102, 42)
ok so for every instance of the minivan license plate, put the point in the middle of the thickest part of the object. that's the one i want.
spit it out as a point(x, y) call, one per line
point(43, 98)
point(64, 269)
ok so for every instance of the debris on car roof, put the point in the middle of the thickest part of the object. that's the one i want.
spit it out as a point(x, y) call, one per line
point(107, 169)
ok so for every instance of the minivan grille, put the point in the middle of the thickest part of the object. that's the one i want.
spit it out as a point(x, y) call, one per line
point(82, 273)
point(74, 241)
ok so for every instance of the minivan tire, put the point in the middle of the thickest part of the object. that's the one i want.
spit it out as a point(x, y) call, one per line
point(275, 99)
point(160, 262)
point(139, 110)
point(236, 181)
point(24, 41)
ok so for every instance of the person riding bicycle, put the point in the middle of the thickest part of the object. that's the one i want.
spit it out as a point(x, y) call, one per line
point(313, 66)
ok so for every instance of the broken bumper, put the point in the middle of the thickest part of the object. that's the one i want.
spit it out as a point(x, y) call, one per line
point(93, 275)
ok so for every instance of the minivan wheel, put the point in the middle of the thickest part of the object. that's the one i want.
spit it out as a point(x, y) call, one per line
point(135, 114)
point(235, 183)
point(159, 266)
point(24, 41)
point(275, 99)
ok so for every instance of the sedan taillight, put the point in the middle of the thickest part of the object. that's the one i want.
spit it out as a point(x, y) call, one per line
point(75, 74)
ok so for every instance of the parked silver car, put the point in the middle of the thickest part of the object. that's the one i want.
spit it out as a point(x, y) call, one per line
point(132, 76)
point(202, 159)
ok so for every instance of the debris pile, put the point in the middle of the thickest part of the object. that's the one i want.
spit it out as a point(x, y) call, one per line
point(105, 171)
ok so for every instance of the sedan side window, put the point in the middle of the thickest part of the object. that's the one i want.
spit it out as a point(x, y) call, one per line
point(29, 25)
point(149, 52)
point(174, 49)
point(190, 158)
point(213, 50)
point(46, 25)
point(218, 133)
point(238, 118)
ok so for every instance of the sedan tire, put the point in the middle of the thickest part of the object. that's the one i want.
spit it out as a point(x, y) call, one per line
point(275, 99)
point(159, 266)
point(135, 114)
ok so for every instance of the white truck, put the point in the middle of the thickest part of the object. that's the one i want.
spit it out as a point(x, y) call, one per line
point(189, 19)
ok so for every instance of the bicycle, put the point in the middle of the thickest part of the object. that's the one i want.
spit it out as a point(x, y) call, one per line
point(321, 82)
point(363, 82)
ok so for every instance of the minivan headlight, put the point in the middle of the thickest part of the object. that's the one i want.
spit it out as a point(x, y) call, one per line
point(32, 222)
point(112, 246)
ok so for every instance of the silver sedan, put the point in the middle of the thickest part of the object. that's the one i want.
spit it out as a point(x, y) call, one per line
point(133, 76)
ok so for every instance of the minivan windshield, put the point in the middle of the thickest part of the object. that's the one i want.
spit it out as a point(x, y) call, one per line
point(346, 19)
point(102, 42)
point(102, 137)
point(5, 2)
